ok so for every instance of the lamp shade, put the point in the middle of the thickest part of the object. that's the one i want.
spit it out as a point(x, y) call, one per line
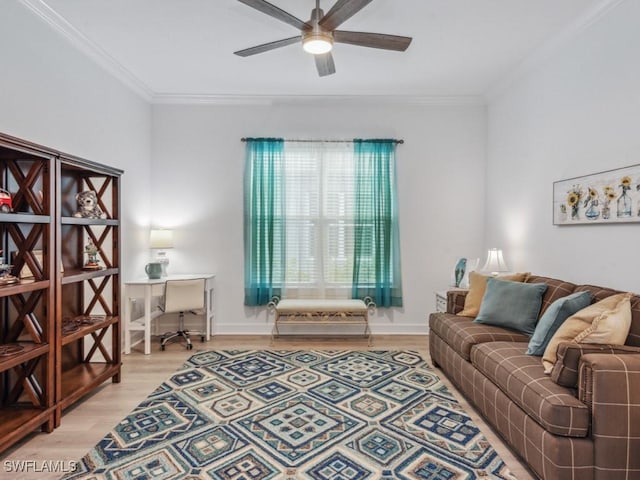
point(161, 239)
point(495, 262)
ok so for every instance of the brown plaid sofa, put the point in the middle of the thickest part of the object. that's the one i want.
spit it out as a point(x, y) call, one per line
point(580, 423)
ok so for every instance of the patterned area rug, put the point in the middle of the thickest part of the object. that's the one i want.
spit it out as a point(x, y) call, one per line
point(321, 415)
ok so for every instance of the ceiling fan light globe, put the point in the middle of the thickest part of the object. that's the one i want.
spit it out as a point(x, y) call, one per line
point(317, 44)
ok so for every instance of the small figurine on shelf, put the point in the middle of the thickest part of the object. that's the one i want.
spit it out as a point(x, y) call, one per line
point(5, 272)
point(92, 263)
point(6, 201)
point(88, 205)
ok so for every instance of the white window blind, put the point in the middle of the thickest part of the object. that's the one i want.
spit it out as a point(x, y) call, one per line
point(319, 193)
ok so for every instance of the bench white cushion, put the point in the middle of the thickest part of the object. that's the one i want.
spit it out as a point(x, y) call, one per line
point(320, 305)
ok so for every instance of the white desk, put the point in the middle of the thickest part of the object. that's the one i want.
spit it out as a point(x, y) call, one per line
point(147, 288)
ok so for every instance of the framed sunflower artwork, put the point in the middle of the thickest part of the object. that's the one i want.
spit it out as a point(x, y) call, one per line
point(612, 196)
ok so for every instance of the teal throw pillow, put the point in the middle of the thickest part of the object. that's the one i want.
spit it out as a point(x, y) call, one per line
point(514, 305)
point(555, 315)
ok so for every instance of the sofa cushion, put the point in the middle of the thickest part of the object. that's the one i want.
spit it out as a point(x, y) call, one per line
point(555, 316)
point(598, 293)
point(477, 287)
point(461, 333)
point(606, 321)
point(513, 305)
point(522, 379)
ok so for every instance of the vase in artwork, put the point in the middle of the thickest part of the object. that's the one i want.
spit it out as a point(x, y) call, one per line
point(592, 212)
point(575, 212)
point(624, 205)
point(606, 212)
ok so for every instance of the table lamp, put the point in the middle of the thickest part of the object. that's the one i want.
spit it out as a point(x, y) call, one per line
point(495, 263)
point(161, 240)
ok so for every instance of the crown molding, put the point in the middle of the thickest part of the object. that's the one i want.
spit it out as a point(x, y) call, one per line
point(268, 100)
point(538, 57)
point(88, 47)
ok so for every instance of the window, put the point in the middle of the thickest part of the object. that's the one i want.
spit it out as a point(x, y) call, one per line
point(319, 191)
point(311, 229)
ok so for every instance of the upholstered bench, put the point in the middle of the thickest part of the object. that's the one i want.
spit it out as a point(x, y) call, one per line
point(321, 311)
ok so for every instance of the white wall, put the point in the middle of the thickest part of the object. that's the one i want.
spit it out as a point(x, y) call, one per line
point(52, 94)
point(197, 189)
point(577, 113)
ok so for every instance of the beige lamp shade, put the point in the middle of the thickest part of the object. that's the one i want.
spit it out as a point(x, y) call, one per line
point(495, 263)
point(161, 239)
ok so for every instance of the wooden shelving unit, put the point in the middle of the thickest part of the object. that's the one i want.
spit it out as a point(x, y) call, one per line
point(27, 400)
point(91, 354)
point(63, 319)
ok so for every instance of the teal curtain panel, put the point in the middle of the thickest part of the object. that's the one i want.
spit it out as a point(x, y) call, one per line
point(264, 220)
point(376, 269)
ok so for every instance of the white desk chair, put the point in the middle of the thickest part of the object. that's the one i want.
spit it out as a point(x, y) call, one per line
point(183, 296)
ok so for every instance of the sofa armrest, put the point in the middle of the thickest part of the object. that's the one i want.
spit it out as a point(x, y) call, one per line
point(565, 370)
point(610, 385)
point(455, 301)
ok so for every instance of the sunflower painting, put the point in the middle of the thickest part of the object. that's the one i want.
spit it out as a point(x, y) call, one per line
point(612, 196)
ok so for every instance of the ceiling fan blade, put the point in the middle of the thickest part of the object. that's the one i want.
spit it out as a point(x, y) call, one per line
point(265, 47)
point(275, 12)
point(324, 64)
point(372, 40)
point(341, 11)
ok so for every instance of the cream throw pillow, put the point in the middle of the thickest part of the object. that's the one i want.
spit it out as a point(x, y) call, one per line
point(477, 287)
point(607, 321)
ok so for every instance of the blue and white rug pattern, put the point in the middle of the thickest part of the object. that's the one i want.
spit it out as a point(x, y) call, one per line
point(297, 415)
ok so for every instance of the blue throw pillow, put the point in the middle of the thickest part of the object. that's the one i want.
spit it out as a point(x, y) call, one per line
point(555, 315)
point(514, 305)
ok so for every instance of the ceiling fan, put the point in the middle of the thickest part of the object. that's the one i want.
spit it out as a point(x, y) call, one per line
point(319, 33)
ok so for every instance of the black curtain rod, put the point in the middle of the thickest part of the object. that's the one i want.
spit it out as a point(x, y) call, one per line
point(244, 139)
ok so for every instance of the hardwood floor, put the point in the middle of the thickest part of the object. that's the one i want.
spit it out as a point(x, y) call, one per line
point(85, 424)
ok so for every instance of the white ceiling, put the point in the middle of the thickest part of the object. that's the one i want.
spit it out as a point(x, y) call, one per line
point(184, 48)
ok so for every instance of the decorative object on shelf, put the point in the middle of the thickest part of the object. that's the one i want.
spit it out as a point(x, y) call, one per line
point(154, 270)
point(6, 201)
point(6, 350)
point(458, 272)
point(69, 325)
point(92, 263)
point(5, 276)
point(88, 205)
point(605, 197)
point(495, 263)
point(25, 271)
point(5, 273)
point(472, 266)
point(161, 240)
point(84, 320)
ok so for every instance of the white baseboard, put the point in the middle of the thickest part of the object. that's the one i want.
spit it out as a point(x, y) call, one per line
point(264, 329)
